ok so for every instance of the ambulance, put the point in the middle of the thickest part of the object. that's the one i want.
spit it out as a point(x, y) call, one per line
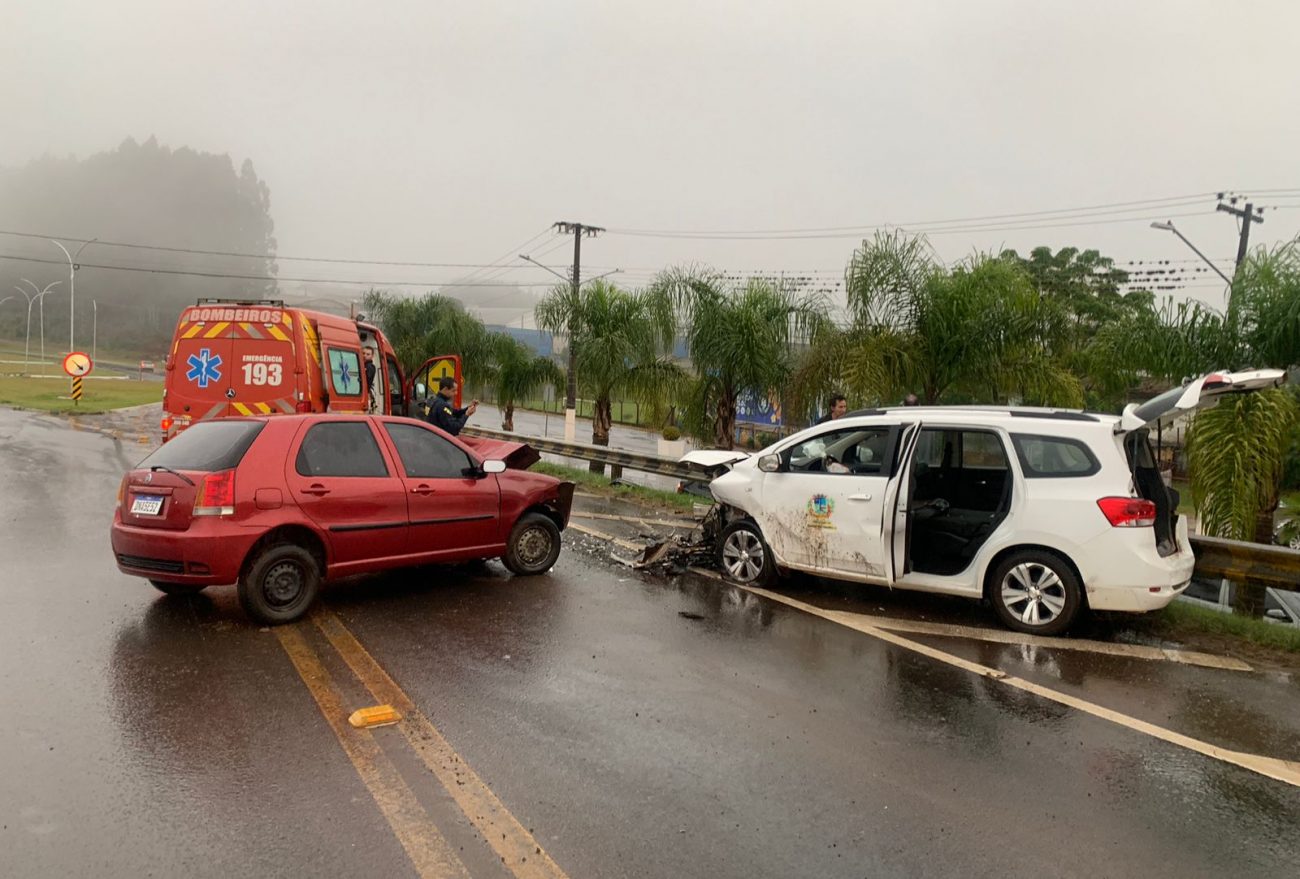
point(259, 357)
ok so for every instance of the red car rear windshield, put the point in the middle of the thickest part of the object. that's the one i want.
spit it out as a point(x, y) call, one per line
point(210, 446)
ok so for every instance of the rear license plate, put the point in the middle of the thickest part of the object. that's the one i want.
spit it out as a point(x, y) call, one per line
point(146, 505)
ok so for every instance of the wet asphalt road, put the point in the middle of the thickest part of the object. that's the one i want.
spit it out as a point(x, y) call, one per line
point(637, 727)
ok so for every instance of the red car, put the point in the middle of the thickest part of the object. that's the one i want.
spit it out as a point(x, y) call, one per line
point(280, 504)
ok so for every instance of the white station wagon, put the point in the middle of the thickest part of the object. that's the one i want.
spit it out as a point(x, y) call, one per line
point(1043, 512)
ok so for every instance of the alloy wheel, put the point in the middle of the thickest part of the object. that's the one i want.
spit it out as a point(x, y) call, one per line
point(743, 556)
point(1034, 593)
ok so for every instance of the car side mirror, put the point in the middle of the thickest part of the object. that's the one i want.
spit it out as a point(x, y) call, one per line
point(769, 463)
point(494, 466)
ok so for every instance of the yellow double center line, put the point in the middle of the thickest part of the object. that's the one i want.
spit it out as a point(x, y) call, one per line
point(424, 843)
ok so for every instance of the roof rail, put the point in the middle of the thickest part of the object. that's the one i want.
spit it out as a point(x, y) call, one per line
point(207, 300)
point(1013, 411)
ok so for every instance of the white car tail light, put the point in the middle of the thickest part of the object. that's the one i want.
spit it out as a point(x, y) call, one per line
point(1128, 512)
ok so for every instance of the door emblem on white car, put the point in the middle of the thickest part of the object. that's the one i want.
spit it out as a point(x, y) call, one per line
point(820, 508)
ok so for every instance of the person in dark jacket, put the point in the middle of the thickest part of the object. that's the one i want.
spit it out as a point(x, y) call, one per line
point(372, 402)
point(839, 406)
point(444, 415)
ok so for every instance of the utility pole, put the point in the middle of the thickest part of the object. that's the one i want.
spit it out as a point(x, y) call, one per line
point(578, 231)
point(1249, 214)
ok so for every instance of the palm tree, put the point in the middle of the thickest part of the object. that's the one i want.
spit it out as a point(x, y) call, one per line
point(739, 340)
point(431, 325)
point(977, 331)
point(560, 311)
point(519, 375)
point(1236, 453)
point(623, 353)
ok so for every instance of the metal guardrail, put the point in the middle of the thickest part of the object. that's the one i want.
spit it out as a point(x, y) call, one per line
point(598, 454)
point(1276, 566)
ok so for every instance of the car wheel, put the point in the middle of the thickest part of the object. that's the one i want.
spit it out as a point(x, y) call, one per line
point(743, 555)
point(280, 584)
point(176, 588)
point(534, 545)
point(1035, 592)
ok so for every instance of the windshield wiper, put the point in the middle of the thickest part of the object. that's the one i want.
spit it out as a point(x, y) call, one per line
point(156, 467)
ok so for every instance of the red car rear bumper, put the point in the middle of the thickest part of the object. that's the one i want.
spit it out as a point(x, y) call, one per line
point(209, 553)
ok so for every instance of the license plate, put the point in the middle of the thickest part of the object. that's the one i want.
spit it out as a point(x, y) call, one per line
point(146, 505)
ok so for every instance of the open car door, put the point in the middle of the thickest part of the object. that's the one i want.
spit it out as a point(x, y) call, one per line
point(1202, 393)
point(423, 382)
point(898, 499)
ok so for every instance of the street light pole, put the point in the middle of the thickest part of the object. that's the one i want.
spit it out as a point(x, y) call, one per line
point(72, 288)
point(31, 300)
point(1168, 226)
point(94, 331)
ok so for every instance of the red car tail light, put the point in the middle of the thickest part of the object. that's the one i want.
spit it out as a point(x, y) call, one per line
point(166, 424)
point(1128, 512)
point(216, 495)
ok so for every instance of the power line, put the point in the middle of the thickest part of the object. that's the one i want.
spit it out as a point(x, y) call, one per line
point(1126, 206)
point(242, 277)
point(267, 256)
point(509, 253)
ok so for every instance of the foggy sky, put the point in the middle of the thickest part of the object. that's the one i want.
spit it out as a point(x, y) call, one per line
point(451, 132)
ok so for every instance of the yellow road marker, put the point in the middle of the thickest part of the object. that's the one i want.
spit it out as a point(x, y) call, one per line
point(1271, 767)
point(519, 851)
point(425, 846)
point(378, 715)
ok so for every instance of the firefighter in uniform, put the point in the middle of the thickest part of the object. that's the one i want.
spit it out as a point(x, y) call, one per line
point(444, 415)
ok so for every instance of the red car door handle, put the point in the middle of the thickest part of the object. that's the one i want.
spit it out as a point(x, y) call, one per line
point(317, 489)
point(422, 489)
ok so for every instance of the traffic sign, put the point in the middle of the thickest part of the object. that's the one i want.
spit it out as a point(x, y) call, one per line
point(76, 389)
point(443, 368)
point(77, 364)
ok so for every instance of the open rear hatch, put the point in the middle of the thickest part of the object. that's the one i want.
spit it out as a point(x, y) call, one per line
point(1202, 393)
point(1159, 413)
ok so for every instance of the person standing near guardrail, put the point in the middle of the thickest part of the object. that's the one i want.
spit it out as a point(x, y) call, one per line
point(445, 415)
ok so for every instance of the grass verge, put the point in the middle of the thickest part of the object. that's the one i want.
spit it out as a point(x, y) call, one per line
point(100, 395)
point(1181, 620)
point(597, 484)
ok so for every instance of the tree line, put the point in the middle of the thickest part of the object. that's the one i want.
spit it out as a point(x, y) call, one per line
point(139, 192)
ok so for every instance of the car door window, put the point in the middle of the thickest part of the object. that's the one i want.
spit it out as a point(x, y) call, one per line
point(345, 372)
point(425, 455)
point(854, 450)
point(341, 448)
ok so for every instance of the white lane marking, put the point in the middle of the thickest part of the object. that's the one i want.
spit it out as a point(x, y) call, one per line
point(601, 535)
point(1000, 636)
point(1287, 771)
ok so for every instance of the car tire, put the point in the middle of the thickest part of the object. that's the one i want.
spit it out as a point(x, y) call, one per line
point(1035, 592)
point(534, 545)
point(176, 588)
point(280, 584)
point(744, 556)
